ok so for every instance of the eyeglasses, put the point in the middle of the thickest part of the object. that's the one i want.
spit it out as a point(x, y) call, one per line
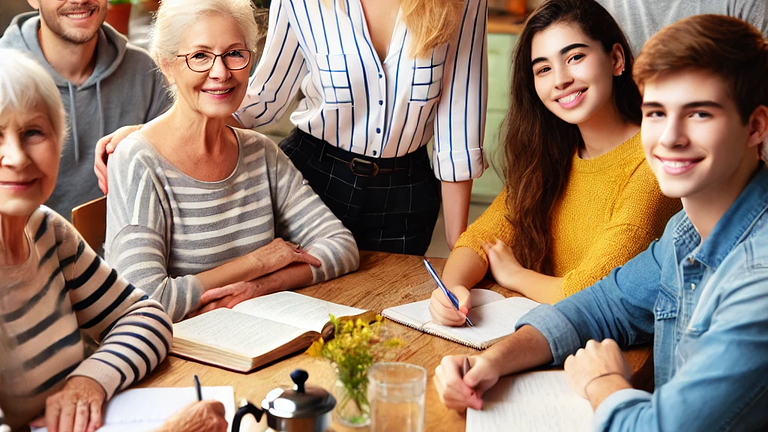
point(202, 61)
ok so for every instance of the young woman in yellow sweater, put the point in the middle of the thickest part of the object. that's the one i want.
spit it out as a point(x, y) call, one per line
point(579, 197)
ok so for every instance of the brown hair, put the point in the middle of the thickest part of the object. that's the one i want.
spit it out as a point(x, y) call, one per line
point(725, 46)
point(433, 22)
point(539, 146)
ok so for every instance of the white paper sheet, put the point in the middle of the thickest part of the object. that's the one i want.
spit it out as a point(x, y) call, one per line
point(532, 402)
point(142, 410)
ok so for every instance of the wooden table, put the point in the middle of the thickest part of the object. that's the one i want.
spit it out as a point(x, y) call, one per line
point(383, 280)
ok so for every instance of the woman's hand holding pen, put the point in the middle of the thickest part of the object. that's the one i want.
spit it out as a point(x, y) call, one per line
point(459, 392)
point(442, 310)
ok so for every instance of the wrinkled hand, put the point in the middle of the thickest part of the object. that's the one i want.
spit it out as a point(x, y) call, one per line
point(105, 147)
point(503, 263)
point(459, 393)
point(595, 359)
point(279, 254)
point(230, 295)
point(442, 310)
point(75, 408)
point(203, 416)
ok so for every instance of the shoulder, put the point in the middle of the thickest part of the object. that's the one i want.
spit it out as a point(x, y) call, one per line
point(133, 156)
point(137, 59)
point(44, 221)
point(253, 142)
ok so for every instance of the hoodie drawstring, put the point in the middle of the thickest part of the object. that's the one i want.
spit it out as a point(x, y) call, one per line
point(73, 121)
point(101, 111)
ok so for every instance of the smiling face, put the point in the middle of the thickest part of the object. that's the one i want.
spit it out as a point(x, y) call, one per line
point(694, 138)
point(29, 161)
point(218, 92)
point(573, 74)
point(74, 21)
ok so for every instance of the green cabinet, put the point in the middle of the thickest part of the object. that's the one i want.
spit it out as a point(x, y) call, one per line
point(500, 47)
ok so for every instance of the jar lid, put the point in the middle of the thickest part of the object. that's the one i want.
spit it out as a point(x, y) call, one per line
point(300, 402)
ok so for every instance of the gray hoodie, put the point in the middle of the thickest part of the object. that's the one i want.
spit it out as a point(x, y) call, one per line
point(125, 88)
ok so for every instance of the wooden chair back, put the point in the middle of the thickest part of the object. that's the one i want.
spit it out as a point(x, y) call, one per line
point(90, 219)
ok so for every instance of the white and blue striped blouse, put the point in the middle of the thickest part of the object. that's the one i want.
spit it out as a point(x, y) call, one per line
point(355, 102)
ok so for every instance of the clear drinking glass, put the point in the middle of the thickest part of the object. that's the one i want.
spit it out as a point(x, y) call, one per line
point(396, 394)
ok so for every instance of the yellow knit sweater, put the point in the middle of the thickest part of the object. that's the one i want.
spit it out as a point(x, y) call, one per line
point(611, 210)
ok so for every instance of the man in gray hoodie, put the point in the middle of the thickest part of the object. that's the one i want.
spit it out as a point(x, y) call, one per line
point(105, 83)
point(641, 19)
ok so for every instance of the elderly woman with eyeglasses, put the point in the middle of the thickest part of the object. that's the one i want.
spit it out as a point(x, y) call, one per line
point(201, 215)
point(53, 287)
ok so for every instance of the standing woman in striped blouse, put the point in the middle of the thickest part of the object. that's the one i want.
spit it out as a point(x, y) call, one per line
point(201, 215)
point(379, 79)
point(53, 286)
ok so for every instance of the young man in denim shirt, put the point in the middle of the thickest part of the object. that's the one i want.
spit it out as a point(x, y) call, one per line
point(701, 291)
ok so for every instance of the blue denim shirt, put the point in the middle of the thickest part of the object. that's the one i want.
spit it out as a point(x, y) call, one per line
point(704, 304)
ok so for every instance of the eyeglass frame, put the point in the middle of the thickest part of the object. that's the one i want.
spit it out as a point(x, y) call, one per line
point(186, 59)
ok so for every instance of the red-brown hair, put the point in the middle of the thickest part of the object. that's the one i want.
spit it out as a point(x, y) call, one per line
point(724, 46)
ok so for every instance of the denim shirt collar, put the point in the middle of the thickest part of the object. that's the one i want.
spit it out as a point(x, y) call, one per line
point(732, 226)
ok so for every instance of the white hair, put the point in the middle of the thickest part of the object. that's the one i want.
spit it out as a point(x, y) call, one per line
point(175, 16)
point(24, 84)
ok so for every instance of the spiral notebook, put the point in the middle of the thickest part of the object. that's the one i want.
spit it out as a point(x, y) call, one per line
point(493, 315)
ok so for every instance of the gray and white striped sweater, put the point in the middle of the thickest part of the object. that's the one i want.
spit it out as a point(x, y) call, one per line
point(164, 227)
point(62, 291)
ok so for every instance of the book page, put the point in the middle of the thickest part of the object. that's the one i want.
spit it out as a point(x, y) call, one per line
point(234, 332)
point(145, 409)
point(531, 402)
point(417, 313)
point(296, 309)
point(492, 321)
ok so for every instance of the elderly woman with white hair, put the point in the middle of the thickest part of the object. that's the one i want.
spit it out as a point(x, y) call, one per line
point(53, 287)
point(201, 215)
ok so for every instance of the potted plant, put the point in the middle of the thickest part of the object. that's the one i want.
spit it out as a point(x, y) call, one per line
point(119, 15)
point(355, 347)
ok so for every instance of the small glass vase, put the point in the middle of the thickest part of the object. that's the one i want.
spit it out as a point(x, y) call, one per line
point(352, 407)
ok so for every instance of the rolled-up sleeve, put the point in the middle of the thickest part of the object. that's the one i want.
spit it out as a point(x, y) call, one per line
point(460, 119)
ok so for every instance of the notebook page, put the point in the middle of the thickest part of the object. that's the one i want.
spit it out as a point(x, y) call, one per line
point(296, 309)
point(145, 409)
point(492, 321)
point(417, 313)
point(531, 402)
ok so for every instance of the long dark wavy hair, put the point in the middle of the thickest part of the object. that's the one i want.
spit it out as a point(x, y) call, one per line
point(539, 146)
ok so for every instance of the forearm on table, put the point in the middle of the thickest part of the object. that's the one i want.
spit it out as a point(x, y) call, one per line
point(464, 267)
point(538, 286)
point(456, 196)
point(296, 275)
point(524, 349)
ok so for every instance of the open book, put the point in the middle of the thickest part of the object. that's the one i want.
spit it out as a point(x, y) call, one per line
point(146, 409)
point(531, 402)
point(493, 315)
point(257, 331)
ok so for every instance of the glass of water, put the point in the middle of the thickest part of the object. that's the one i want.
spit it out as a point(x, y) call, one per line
point(396, 394)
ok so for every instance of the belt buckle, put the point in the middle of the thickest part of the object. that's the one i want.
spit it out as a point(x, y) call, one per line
point(363, 168)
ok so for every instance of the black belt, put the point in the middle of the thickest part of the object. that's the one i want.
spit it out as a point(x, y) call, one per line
point(364, 166)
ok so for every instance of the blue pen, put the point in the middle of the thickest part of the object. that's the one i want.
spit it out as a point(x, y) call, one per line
point(451, 297)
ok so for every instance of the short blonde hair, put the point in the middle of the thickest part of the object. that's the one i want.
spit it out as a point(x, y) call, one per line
point(24, 83)
point(175, 16)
